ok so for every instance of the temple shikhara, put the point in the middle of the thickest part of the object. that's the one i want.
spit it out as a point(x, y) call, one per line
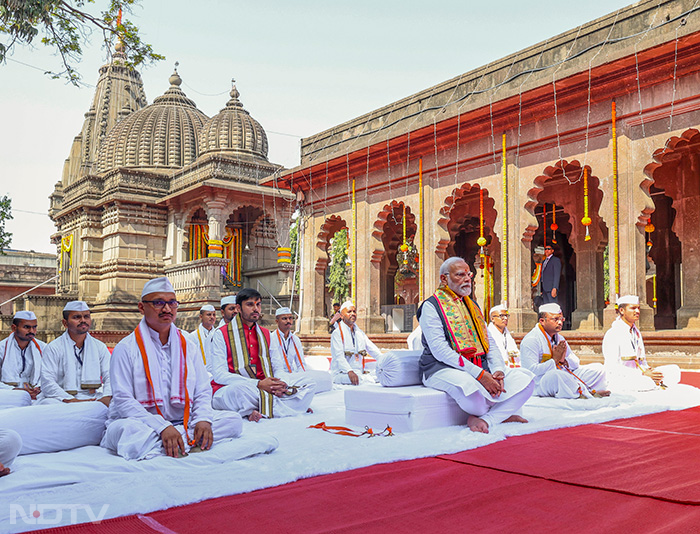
point(588, 142)
point(161, 189)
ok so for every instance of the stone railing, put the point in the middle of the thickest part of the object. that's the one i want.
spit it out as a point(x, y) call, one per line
point(197, 281)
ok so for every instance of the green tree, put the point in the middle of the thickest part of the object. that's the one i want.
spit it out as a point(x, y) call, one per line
point(5, 215)
point(338, 284)
point(67, 25)
point(294, 245)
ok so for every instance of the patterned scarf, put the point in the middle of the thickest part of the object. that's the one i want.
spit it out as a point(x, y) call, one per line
point(465, 324)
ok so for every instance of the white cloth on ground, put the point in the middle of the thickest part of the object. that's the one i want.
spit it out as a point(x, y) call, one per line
point(295, 361)
point(346, 347)
point(625, 360)
point(550, 381)
point(129, 381)
point(63, 376)
point(10, 445)
point(461, 382)
point(57, 427)
point(11, 373)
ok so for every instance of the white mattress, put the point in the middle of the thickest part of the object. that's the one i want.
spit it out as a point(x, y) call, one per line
point(405, 409)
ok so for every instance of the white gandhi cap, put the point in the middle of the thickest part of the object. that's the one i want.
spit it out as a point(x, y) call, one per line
point(498, 308)
point(552, 307)
point(628, 299)
point(347, 304)
point(231, 299)
point(76, 305)
point(25, 315)
point(157, 285)
point(283, 311)
point(207, 307)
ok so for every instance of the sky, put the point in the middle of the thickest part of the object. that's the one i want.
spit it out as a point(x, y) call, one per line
point(301, 66)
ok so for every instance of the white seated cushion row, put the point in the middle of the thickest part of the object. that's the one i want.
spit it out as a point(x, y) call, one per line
point(405, 409)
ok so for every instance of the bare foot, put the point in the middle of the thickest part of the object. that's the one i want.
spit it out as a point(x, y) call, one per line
point(515, 419)
point(309, 411)
point(602, 393)
point(4, 470)
point(477, 424)
point(255, 416)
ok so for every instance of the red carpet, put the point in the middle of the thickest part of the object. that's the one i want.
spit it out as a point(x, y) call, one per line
point(635, 475)
point(428, 495)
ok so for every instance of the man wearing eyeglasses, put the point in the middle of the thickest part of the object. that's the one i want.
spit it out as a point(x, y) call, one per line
point(161, 400)
point(504, 342)
point(551, 273)
point(545, 352)
point(461, 358)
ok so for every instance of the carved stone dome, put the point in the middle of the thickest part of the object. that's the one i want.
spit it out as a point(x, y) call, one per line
point(233, 131)
point(164, 134)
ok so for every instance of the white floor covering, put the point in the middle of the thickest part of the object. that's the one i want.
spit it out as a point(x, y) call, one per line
point(269, 453)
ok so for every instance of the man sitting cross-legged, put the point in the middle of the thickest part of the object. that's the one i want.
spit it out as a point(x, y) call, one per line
point(243, 375)
point(20, 362)
point(76, 365)
point(349, 348)
point(460, 357)
point(544, 351)
point(625, 357)
point(161, 393)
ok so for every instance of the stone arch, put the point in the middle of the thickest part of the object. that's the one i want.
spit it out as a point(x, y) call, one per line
point(329, 228)
point(673, 183)
point(458, 227)
point(387, 237)
point(561, 186)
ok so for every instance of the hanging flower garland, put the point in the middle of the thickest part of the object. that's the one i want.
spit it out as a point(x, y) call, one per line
point(616, 218)
point(586, 220)
point(482, 240)
point(554, 226)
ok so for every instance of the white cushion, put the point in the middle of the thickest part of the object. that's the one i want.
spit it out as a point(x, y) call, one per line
point(318, 363)
point(405, 409)
point(399, 368)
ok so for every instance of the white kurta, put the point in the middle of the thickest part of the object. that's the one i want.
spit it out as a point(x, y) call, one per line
point(13, 376)
point(133, 429)
point(202, 337)
point(504, 343)
point(346, 348)
point(61, 371)
point(241, 394)
point(551, 381)
point(625, 360)
point(290, 347)
point(460, 381)
point(415, 339)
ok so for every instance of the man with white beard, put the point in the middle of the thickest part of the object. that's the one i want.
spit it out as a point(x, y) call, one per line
point(461, 358)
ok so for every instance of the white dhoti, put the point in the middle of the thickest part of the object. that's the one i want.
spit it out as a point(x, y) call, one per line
point(473, 399)
point(10, 445)
point(322, 379)
point(243, 396)
point(14, 398)
point(344, 378)
point(53, 427)
point(563, 384)
point(135, 440)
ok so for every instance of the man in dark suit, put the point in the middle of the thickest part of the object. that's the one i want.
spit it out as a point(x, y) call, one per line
point(551, 273)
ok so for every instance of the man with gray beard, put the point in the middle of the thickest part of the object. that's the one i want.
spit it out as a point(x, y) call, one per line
point(461, 358)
